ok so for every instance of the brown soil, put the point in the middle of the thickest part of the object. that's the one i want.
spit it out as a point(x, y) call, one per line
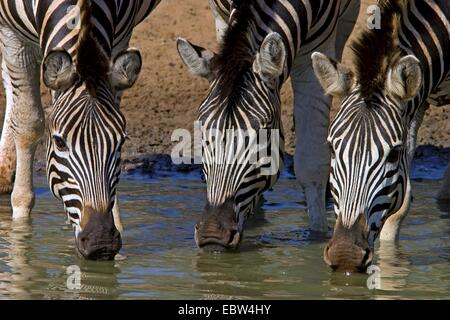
point(166, 97)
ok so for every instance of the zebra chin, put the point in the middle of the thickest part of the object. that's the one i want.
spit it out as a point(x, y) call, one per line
point(218, 230)
point(349, 249)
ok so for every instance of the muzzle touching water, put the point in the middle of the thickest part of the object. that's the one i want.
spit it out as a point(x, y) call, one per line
point(349, 250)
point(218, 230)
point(99, 239)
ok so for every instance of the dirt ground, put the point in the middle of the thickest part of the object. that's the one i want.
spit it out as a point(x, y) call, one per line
point(166, 97)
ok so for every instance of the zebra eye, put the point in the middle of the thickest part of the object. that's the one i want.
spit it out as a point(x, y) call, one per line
point(60, 143)
point(394, 155)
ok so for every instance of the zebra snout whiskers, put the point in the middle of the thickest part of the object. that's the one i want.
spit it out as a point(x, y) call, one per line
point(349, 249)
point(99, 238)
point(218, 227)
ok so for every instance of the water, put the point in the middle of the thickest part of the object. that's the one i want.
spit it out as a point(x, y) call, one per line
point(278, 258)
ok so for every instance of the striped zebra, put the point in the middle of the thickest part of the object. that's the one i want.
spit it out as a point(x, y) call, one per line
point(264, 42)
point(400, 69)
point(87, 64)
point(221, 10)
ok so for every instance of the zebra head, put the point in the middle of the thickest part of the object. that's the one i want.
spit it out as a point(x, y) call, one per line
point(370, 151)
point(241, 131)
point(86, 133)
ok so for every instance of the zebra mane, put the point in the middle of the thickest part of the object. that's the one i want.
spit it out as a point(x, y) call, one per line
point(236, 54)
point(92, 62)
point(375, 50)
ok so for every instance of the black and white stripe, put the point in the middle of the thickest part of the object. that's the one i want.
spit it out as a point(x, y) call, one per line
point(240, 99)
point(221, 8)
point(86, 128)
point(373, 135)
point(83, 151)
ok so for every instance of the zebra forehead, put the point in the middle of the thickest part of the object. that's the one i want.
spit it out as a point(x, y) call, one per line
point(361, 123)
point(87, 114)
point(375, 105)
point(250, 103)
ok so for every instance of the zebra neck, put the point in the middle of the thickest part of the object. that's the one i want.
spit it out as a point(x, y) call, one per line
point(426, 35)
point(59, 26)
point(304, 25)
point(55, 24)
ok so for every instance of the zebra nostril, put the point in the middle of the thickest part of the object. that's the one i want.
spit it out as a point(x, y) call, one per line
point(83, 244)
point(84, 241)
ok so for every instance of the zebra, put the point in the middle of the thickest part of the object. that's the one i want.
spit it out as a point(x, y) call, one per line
point(399, 70)
point(264, 43)
point(221, 10)
point(81, 50)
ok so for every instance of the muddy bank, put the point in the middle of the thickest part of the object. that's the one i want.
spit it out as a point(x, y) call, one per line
point(166, 96)
point(430, 162)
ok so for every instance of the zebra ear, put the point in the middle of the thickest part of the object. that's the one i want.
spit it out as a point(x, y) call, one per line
point(58, 70)
point(197, 59)
point(405, 78)
point(126, 68)
point(270, 61)
point(335, 78)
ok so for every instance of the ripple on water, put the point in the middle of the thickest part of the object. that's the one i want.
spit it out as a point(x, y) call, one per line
point(279, 257)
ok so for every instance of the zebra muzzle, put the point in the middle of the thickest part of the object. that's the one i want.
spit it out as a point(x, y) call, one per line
point(99, 239)
point(349, 250)
point(218, 230)
point(214, 244)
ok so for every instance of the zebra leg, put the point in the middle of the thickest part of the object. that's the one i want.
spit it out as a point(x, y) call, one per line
point(7, 145)
point(311, 115)
point(27, 116)
point(311, 159)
